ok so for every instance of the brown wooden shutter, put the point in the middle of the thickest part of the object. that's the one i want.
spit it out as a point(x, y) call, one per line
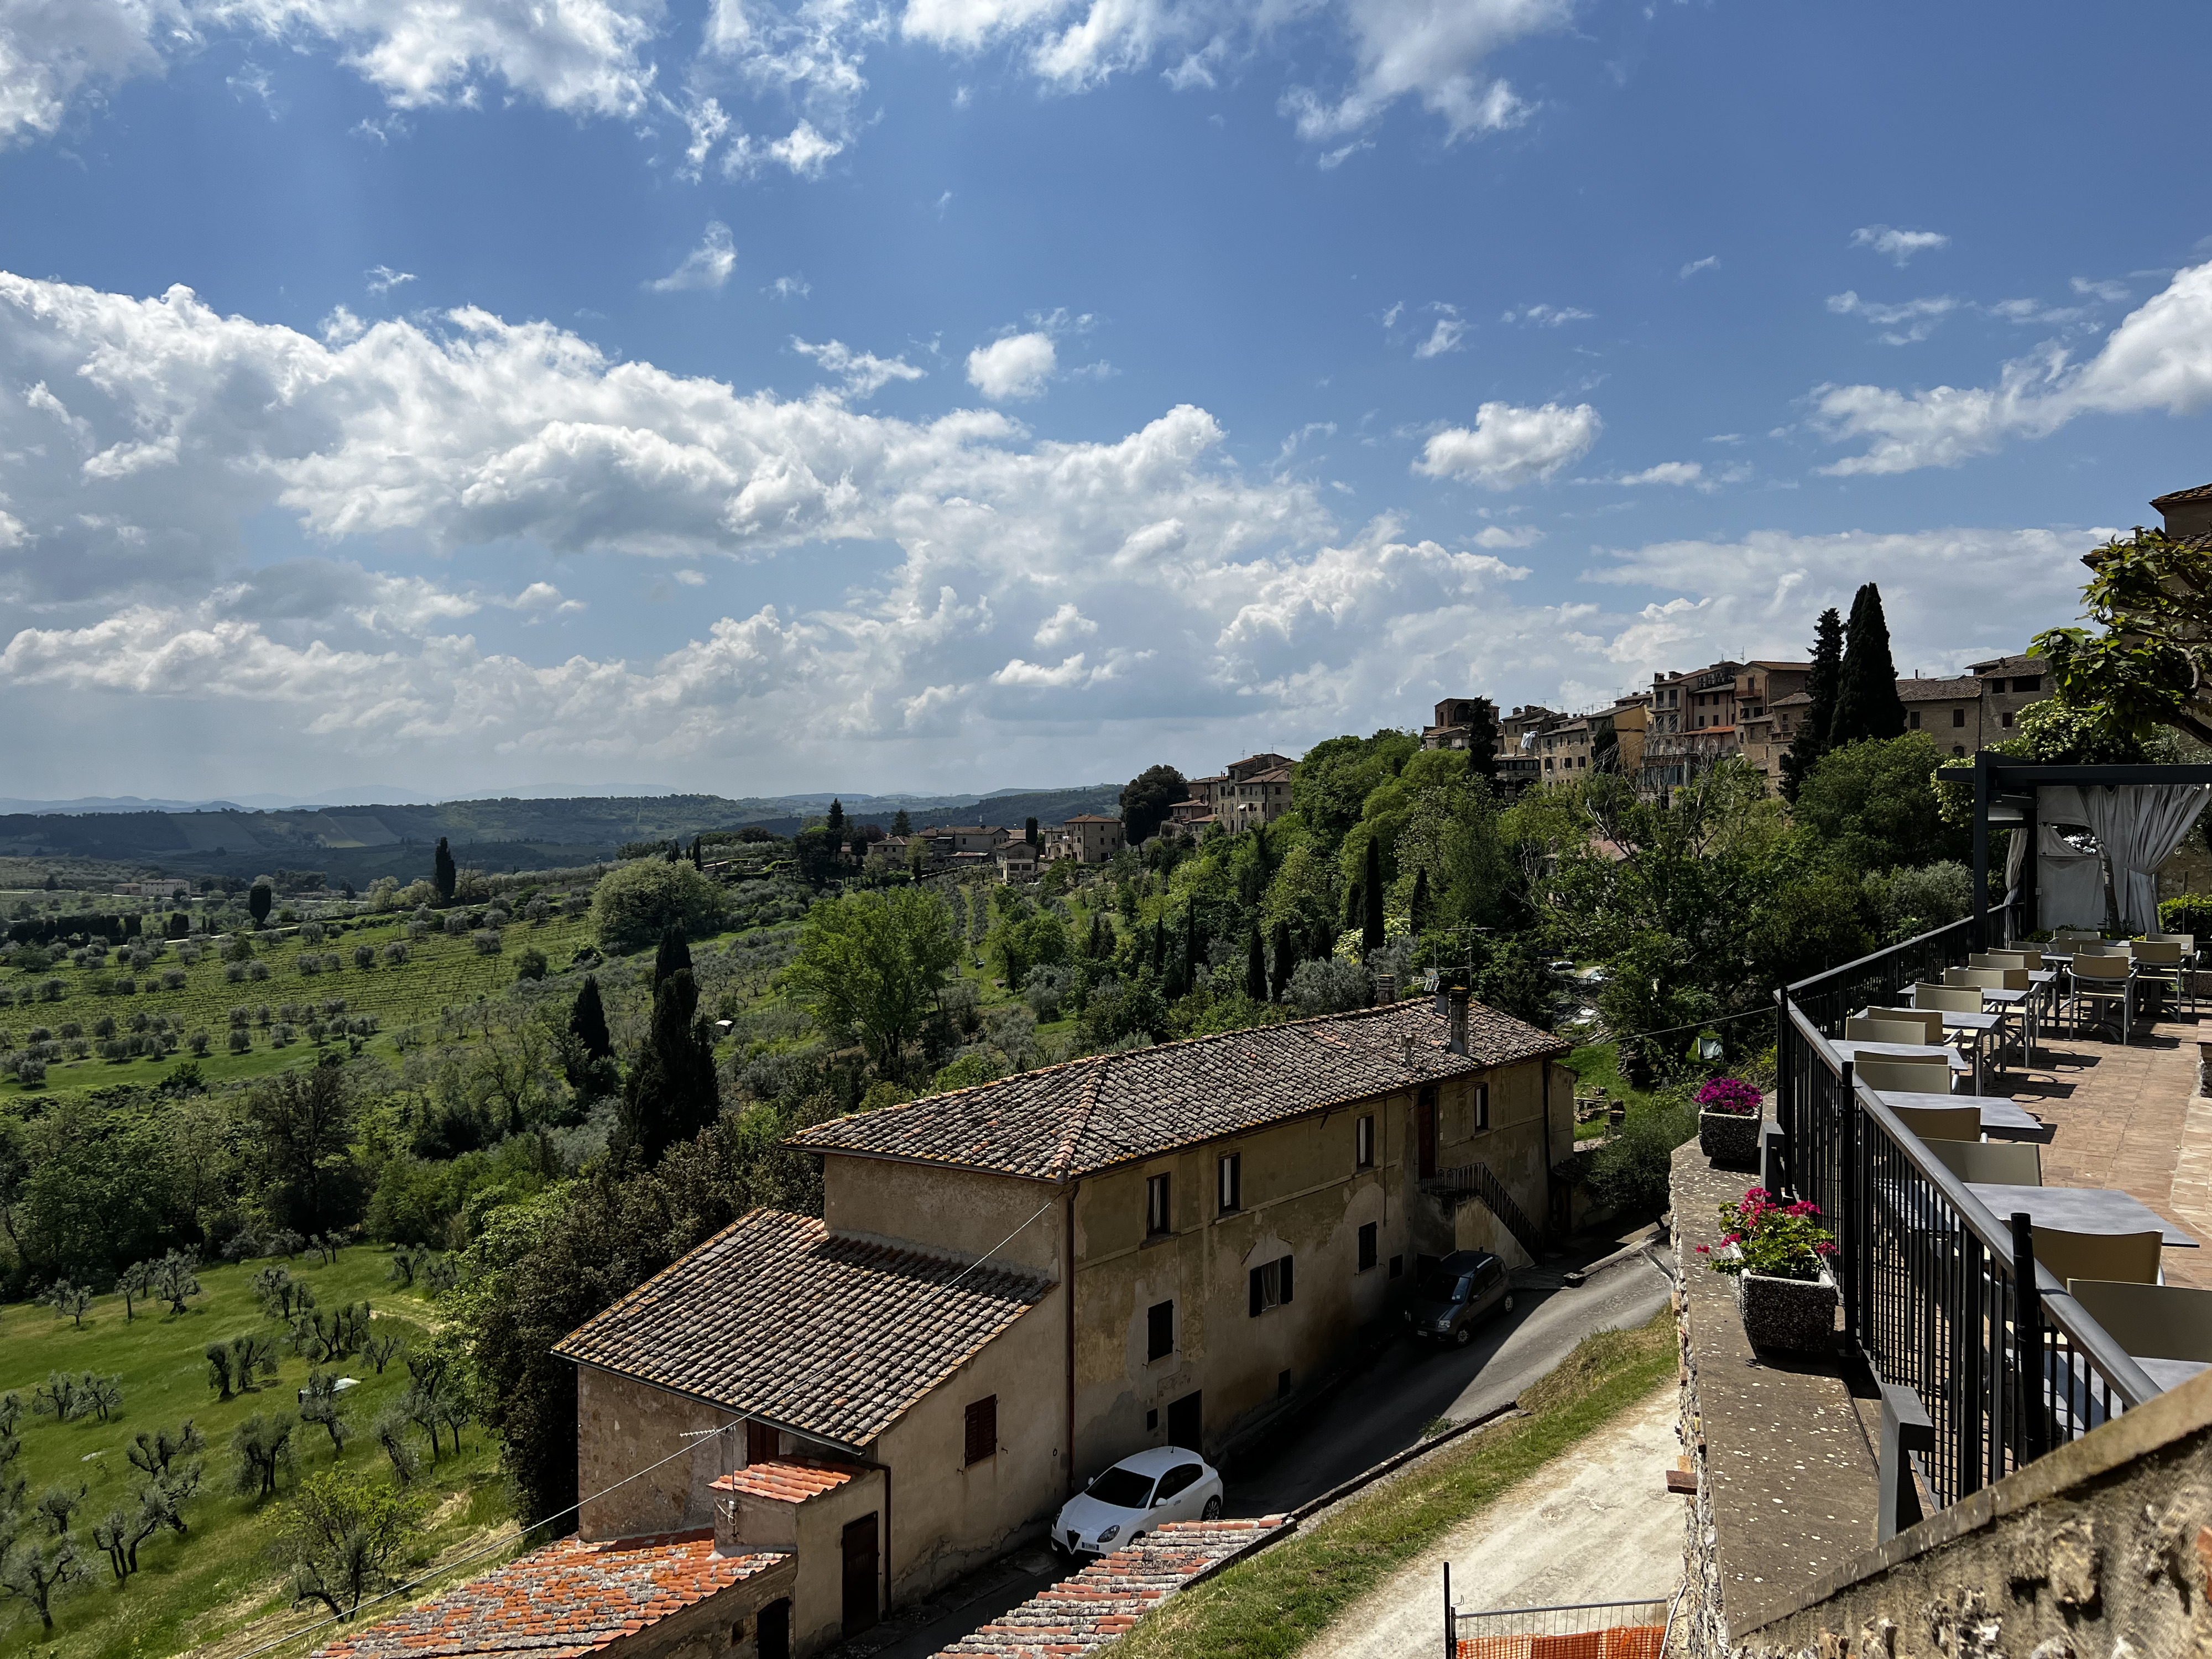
point(983, 1429)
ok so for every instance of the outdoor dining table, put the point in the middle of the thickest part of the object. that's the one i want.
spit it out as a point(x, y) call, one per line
point(1958, 1019)
point(1846, 1049)
point(2001, 1119)
point(2079, 1210)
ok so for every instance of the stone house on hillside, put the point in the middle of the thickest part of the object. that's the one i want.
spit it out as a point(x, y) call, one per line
point(1011, 1287)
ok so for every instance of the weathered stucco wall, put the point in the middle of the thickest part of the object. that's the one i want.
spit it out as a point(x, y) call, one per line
point(949, 1516)
point(622, 1426)
point(818, 1602)
point(725, 1625)
point(964, 1212)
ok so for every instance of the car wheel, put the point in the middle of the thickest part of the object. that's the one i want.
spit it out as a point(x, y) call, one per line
point(1213, 1510)
point(1463, 1335)
point(1506, 1306)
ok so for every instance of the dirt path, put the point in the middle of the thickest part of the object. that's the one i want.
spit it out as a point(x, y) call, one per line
point(1595, 1525)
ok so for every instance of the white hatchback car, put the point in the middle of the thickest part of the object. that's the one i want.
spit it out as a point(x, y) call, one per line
point(1137, 1494)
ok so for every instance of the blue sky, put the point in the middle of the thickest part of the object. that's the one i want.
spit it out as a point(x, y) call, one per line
point(961, 393)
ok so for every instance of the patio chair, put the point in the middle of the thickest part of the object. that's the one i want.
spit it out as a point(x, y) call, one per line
point(1941, 1123)
point(1863, 1029)
point(1997, 1163)
point(1950, 998)
point(2028, 959)
point(2158, 963)
point(2103, 981)
point(1904, 1074)
point(2067, 938)
point(2151, 1321)
point(2129, 1257)
point(1929, 1020)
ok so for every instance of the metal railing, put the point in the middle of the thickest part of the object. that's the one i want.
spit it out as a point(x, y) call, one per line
point(1589, 1629)
point(1942, 1298)
point(1475, 1181)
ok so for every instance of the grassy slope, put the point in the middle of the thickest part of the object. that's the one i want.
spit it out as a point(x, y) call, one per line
point(191, 1589)
point(1272, 1604)
point(440, 973)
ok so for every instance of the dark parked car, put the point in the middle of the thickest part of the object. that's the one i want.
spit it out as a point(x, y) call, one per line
point(1456, 1295)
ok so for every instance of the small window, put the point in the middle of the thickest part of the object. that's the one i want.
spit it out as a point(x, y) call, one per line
point(2028, 683)
point(1397, 1266)
point(1159, 1212)
point(2006, 717)
point(983, 1429)
point(760, 1443)
point(1367, 1247)
point(1959, 748)
point(1913, 719)
point(1159, 1331)
point(1231, 1170)
point(1957, 717)
point(1271, 1285)
point(1479, 1100)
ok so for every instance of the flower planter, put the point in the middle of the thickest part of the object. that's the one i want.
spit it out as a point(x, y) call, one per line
point(1729, 1137)
point(1788, 1315)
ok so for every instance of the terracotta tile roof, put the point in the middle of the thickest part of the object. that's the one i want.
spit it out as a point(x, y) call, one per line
point(568, 1599)
point(1956, 690)
point(1089, 1114)
point(2195, 493)
point(1081, 1614)
point(1795, 700)
point(778, 1318)
point(787, 1481)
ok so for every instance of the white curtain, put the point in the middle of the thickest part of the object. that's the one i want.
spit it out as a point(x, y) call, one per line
point(2139, 826)
point(2070, 885)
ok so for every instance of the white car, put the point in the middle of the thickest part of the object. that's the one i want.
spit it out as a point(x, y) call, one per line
point(1139, 1493)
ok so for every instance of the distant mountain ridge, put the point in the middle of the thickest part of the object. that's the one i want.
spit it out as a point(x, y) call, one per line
point(357, 843)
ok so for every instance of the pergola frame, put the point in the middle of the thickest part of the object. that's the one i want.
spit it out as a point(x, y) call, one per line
point(1999, 781)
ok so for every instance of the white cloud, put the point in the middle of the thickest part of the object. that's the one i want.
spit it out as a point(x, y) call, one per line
point(2160, 357)
point(1510, 446)
point(1396, 311)
point(1064, 624)
point(863, 373)
point(1446, 336)
point(1898, 246)
point(1018, 365)
point(1902, 324)
point(1017, 672)
point(707, 265)
point(1681, 474)
point(1498, 535)
point(2110, 292)
point(1710, 262)
point(1546, 316)
point(51, 52)
point(1429, 50)
point(795, 287)
point(382, 279)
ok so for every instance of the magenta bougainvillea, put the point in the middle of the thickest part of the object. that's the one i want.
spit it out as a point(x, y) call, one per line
point(1729, 1094)
point(1782, 1241)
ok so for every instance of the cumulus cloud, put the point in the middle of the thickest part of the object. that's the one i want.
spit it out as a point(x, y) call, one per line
point(1902, 324)
point(1510, 446)
point(863, 373)
point(1681, 474)
point(1498, 535)
point(707, 265)
point(1017, 367)
point(2160, 357)
point(1898, 246)
point(1064, 624)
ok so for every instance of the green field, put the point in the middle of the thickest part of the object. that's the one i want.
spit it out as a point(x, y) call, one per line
point(221, 1576)
point(442, 972)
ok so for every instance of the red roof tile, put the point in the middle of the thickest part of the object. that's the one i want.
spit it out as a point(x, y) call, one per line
point(1081, 1615)
point(567, 1599)
point(788, 1481)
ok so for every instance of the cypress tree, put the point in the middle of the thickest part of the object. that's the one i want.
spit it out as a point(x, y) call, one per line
point(442, 874)
point(1355, 906)
point(675, 952)
point(1031, 834)
point(587, 1018)
point(1284, 963)
point(1370, 929)
point(1810, 741)
point(671, 1093)
point(1867, 703)
point(836, 819)
point(1159, 946)
point(900, 823)
point(1255, 966)
point(1420, 902)
point(1193, 949)
point(1482, 745)
point(698, 858)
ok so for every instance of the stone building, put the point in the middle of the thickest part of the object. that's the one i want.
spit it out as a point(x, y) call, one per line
point(1458, 720)
point(1011, 1287)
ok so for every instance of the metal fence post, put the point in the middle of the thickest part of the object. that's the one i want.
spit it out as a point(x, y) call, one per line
point(2027, 1339)
point(1451, 1629)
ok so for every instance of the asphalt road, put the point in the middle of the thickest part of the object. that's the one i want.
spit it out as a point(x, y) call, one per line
point(1382, 1407)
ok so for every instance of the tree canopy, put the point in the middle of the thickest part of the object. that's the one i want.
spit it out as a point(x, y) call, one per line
point(634, 906)
point(1867, 703)
point(871, 964)
point(2150, 662)
point(1146, 799)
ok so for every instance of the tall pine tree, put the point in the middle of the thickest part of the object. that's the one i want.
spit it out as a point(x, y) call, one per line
point(1867, 703)
point(587, 1018)
point(1810, 741)
point(1371, 926)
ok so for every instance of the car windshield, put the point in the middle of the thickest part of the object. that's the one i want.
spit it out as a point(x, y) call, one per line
point(1447, 1287)
point(1125, 1489)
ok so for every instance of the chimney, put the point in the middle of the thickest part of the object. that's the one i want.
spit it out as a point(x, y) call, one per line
point(1443, 991)
point(1386, 989)
point(2186, 512)
point(1455, 1017)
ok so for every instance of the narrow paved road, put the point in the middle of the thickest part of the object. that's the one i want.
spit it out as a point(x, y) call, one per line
point(1383, 1407)
point(1379, 1410)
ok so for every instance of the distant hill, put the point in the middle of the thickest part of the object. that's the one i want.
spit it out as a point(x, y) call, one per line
point(358, 843)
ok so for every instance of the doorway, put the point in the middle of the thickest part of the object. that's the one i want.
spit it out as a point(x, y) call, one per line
point(860, 1541)
point(775, 1631)
point(1186, 1420)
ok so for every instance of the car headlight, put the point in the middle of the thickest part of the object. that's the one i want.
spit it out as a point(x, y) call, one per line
point(1111, 1534)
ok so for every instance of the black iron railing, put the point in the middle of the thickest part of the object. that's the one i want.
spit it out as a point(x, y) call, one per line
point(1474, 1181)
point(1939, 1296)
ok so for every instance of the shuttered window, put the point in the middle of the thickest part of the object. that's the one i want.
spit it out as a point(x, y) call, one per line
point(983, 1429)
point(1270, 1286)
point(1159, 1331)
point(1367, 1235)
point(1159, 1211)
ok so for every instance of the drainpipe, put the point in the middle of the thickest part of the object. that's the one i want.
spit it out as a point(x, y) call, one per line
point(1456, 1018)
point(1067, 1296)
